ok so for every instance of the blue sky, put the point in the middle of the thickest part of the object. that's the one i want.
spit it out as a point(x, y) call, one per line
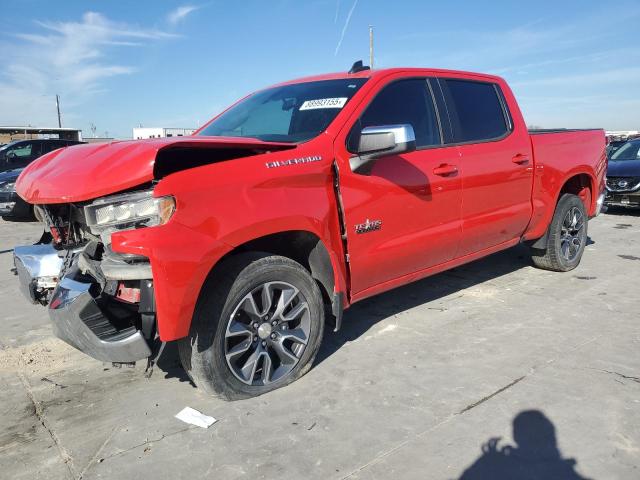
point(117, 64)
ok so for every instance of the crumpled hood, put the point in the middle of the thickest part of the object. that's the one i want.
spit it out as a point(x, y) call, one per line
point(85, 172)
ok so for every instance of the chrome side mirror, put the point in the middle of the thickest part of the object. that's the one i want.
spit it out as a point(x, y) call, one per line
point(376, 142)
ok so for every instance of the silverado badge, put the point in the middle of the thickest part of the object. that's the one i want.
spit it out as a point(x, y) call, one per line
point(294, 161)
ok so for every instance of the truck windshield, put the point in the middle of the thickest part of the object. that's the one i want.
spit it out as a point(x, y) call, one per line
point(290, 113)
point(629, 151)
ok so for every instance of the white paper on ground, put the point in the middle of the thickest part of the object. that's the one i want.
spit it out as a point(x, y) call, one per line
point(194, 417)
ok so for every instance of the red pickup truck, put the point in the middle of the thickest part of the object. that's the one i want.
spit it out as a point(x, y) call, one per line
point(242, 240)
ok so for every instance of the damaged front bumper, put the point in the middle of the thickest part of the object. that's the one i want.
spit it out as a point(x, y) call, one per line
point(82, 315)
point(37, 267)
point(79, 321)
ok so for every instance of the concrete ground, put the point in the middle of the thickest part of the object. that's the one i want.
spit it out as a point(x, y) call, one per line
point(418, 385)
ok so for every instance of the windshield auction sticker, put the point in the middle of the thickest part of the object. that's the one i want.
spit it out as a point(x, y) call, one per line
point(337, 102)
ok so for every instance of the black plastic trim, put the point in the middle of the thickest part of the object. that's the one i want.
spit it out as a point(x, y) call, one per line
point(443, 111)
point(337, 309)
point(542, 131)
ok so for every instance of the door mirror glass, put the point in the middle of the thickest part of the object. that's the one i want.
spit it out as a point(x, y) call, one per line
point(376, 142)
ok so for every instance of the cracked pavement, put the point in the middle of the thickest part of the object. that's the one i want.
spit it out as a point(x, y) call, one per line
point(420, 382)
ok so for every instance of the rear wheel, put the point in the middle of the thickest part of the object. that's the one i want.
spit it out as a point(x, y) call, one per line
point(567, 236)
point(257, 327)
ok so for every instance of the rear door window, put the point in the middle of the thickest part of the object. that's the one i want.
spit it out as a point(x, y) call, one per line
point(476, 110)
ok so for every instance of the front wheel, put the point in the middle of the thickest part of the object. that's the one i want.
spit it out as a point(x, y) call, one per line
point(567, 236)
point(257, 327)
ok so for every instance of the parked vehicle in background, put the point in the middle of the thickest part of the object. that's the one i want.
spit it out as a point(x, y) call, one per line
point(14, 157)
point(12, 207)
point(623, 176)
point(289, 207)
point(20, 153)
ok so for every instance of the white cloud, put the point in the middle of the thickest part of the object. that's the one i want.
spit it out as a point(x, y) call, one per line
point(68, 58)
point(345, 27)
point(180, 13)
point(581, 67)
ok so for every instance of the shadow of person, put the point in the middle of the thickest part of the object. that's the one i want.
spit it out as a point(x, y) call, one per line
point(535, 456)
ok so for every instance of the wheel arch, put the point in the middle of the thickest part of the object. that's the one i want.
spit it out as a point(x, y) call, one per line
point(308, 250)
point(581, 184)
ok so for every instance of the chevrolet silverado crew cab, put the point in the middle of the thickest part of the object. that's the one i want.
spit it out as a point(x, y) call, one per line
point(243, 240)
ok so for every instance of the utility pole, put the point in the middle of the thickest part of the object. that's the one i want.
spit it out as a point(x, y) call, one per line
point(58, 108)
point(371, 46)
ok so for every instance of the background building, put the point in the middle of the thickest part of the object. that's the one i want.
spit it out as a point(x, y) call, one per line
point(10, 133)
point(160, 132)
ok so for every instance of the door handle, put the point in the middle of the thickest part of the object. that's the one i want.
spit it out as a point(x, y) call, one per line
point(445, 169)
point(520, 159)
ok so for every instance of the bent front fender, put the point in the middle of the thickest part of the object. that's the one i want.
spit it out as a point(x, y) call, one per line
point(181, 259)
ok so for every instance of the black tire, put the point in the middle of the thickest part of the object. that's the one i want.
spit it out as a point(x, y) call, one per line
point(202, 353)
point(554, 257)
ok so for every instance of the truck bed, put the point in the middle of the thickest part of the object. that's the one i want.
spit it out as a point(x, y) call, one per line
point(560, 154)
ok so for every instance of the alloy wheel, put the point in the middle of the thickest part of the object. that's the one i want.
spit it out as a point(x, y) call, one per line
point(572, 234)
point(267, 333)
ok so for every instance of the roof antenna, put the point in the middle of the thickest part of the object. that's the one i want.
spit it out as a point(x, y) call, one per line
point(358, 67)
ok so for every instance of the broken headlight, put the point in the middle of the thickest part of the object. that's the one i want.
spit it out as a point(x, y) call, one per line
point(129, 210)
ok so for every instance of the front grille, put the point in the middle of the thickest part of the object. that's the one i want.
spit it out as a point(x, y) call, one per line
point(67, 224)
point(623, 184)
